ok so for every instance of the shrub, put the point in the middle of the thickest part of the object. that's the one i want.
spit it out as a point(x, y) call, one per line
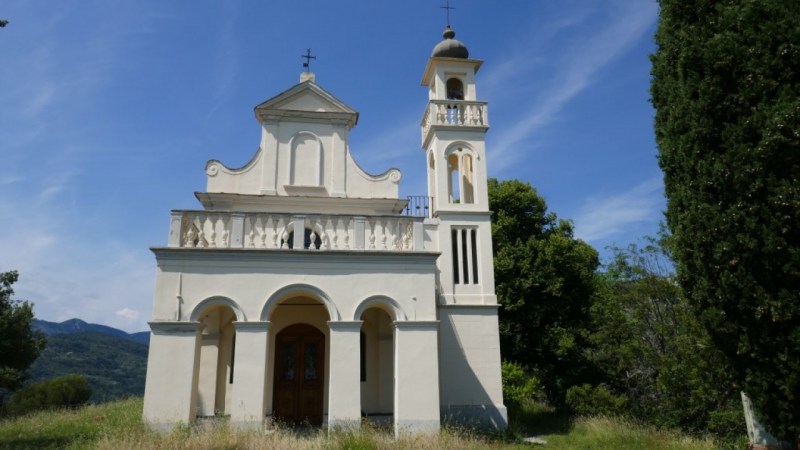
point(518, 386)
point(68, 391)
point(588, 400)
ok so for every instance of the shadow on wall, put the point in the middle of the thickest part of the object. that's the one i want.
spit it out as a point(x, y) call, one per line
point(466, 343)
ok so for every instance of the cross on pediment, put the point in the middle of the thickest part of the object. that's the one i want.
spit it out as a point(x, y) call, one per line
point(308, 58)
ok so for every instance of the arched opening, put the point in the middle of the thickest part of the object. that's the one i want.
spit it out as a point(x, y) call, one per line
point(311, 240)
point(455, 89)
point(298, 360)
point(453, 183)
point(216, 368)
point(377, 365)
point(461, 176)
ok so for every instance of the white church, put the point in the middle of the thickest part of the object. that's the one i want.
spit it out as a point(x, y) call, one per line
point(306, 291)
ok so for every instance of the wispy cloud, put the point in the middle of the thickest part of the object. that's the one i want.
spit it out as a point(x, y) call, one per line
point(601, 218)
point(9, 179)
point(577, 69)
point(128, 314)
point(55, 183)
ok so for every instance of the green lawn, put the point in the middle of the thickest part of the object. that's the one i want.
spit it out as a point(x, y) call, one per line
point(118, 425)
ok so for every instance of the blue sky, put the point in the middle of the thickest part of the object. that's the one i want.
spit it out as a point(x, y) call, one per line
point(110, 110)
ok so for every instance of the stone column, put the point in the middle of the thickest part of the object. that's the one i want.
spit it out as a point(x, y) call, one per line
point(416, 377)
point(344, 384)
point(248, 403)
point(171, 389)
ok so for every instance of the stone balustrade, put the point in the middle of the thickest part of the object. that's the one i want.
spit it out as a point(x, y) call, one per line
point(275, 231)
point(457, 113)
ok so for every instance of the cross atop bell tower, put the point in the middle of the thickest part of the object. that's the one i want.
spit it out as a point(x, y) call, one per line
point(447, 8)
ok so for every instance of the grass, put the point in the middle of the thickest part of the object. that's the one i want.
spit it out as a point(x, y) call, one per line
point(118, 425)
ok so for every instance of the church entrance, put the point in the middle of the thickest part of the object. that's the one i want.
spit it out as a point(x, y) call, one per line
point(299, 376)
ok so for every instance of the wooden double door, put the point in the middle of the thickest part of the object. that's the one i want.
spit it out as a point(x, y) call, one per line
point(299, 378)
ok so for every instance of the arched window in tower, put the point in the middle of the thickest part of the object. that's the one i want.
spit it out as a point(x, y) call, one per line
point(453, 180)
point(455, 89)
point(461, 176)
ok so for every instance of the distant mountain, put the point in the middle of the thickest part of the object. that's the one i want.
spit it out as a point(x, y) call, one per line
point(113, 361)
point(79, 326)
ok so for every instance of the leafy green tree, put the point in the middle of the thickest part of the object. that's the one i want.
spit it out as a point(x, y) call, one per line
point(544, 281)
point(653, 350)
point(726, 88)
point(19, 344)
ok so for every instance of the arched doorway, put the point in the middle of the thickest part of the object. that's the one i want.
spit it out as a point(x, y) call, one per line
point(299, 376)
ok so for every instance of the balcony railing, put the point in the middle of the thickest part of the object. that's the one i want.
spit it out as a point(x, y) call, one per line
point(209, 229)
point(458, 113)
point(419, 206)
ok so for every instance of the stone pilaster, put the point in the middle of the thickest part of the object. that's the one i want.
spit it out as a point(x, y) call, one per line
point(344, 392)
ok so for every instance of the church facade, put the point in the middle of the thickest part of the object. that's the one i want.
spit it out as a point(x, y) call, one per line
point(306, 291)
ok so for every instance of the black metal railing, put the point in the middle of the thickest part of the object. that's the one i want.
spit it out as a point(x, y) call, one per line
point(419, 206)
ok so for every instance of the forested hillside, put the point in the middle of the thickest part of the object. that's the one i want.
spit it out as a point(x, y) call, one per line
point(113, 361)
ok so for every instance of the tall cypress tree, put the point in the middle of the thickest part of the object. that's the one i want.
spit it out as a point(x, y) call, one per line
point(726, 88)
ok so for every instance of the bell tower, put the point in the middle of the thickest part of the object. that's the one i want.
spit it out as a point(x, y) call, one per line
point(454, 128)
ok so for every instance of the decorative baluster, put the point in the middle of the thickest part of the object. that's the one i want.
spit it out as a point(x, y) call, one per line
point(280, 227)
point(442, 116)
point(312, 238)
point(346, 225)
point(251, 234)
point(268, 229)
point(388, 236)
point(408, 236)
point(226, 224)
point(201, 232)
point(189, 240)
point(263, 225)
point(285, 239)
point(372, 227)
point(398, 235)
point(335, 232)
point(391, 231)
point(212, 241)
point(383, 234)
point(330, 229)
